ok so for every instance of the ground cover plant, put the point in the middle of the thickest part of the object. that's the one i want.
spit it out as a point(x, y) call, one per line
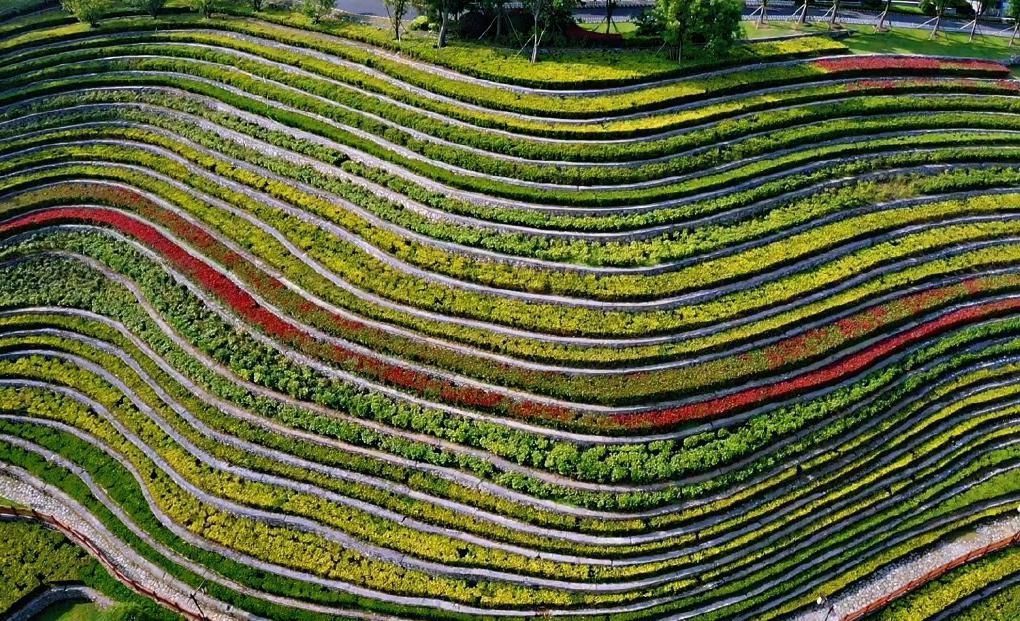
point(308, 322)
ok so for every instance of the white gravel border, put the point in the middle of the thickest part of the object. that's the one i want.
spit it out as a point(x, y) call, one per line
point(889, 580)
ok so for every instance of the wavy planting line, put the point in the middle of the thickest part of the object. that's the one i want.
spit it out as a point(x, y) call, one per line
point(381, 214)
point(122, 196)
point(109, 379)
point(495, 277)
point(154, 218)
point(271, 45)
point(423, 124)
point(783, 354)
point(248, 308)
point(520, 500)
point(402, 72)
point(710, 586)
point(851, 365)
point(439, 188)
point(461, 166)
point(879, 63)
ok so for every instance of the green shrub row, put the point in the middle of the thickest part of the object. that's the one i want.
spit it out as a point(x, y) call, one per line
point(678, 244)
point(108, 361)
point(959, 583)
point(355, 82)
point(497, 175)
point(722, 371)
point(67, 445)
point(619, 463)
point(649, 98)
point(564, 319)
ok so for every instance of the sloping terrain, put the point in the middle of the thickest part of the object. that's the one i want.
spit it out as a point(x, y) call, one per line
point(331, 331)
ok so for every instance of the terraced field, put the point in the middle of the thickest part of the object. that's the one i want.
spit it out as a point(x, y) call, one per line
point(297, 327)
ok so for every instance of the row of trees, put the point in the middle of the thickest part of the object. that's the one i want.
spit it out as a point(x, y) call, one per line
point(710, 25)
point(678, 24)
point(936, 9)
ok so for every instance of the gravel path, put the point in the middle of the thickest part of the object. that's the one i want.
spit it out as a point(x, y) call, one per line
point(705, 544)
point(377, 427)
point(891, 579)
point(326, 369)
point(16, 483)
point(48, 500)
point(29, 610)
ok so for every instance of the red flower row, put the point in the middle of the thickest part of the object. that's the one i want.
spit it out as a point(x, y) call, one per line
point(898, 84)
point(885, 63)
point(783, 354)
point(851, 364)
point(251, 311)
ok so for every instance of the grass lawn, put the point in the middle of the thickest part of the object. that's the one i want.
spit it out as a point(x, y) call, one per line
point(74, 611)
point(910, 41)
point(567, 67)
point(750, 29)
point(557, 67)
point(907, 9)
point(779, 29)
point(624, 28)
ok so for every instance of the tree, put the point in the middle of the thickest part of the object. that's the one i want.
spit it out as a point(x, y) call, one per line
point(610, 7)
point(763, 10)
point(1013, 11)
point(715, 25)
point(536, 36)
point(978, 10)
point(940, 10)
point(396, 9)
point(441, 11)
point(711, 24)
point(835, 13)
point(152, 7)
point(444, 21)
point(316, 9)
point(496, 9)
point(85, 11)
point(256, 5)
point(881, 16)
point(543, 14)
point(204, 7)
point(803, 13)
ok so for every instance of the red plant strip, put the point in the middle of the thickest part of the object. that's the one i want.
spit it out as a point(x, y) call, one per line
point(814, 379)
point(882, 63)
point(781, 354)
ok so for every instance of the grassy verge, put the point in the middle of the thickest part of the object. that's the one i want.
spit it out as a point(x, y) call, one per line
point(78, 611)
point(35, 556)
point(865, 40)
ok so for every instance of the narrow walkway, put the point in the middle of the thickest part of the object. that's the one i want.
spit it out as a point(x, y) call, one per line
point(53, 503)
point(898, 576)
